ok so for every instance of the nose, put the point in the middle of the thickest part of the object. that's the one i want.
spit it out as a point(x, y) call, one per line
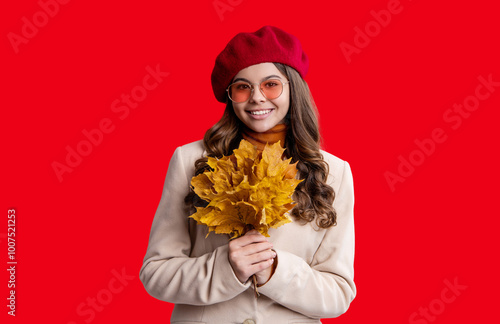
point(257, 96)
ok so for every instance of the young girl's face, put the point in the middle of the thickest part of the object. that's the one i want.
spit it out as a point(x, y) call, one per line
point(259, 113)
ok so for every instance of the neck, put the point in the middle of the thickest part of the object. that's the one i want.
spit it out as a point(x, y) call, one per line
point(271, 136)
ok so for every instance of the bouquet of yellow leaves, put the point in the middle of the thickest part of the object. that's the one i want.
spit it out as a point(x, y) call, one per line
point(246, 190)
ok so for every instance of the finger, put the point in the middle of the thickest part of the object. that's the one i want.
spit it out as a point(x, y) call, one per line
point(256, 248)
point(257, 267)
point(261, 256)
point(248, 239)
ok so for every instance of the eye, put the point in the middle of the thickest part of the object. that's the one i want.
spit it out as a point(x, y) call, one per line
point(242, 86)
point(271, 84)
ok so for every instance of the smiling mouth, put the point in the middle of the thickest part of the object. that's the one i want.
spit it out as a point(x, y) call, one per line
point(260, 112)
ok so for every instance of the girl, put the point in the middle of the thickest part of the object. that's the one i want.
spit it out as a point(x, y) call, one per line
point(304, 270)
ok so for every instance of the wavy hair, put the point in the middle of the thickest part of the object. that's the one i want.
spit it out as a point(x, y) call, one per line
point(314, 197)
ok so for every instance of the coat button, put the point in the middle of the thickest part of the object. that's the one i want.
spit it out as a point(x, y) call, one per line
point(249, 321)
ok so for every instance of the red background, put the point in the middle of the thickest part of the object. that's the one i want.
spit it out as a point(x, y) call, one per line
point(439, 224)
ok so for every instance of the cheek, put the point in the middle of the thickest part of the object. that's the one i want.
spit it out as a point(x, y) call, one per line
point(285, 103)
point(239, 111)
point(284, 106)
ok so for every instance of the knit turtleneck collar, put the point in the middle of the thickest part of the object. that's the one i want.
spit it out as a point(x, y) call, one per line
point(271, 136)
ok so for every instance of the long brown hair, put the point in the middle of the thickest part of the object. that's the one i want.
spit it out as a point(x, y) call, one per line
point(313, 196)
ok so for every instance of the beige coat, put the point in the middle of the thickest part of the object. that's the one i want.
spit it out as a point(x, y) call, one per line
point(314, 274)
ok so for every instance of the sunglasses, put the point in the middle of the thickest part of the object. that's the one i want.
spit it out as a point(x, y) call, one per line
point(241, 91)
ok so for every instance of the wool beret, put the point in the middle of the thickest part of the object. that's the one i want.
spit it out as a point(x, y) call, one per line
point(268, 44)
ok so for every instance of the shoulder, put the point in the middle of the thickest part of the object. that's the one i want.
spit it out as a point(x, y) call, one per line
point(195, 149)
point(333, 161)
point(181, 167)
point(186, 155)
point(338, 169)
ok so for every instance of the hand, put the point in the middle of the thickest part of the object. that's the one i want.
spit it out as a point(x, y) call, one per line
point(264, 275)
point(251, 254)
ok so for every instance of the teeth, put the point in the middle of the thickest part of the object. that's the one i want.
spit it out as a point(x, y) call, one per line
point(260, 112)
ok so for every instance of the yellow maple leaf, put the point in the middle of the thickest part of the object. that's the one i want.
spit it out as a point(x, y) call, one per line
point(246, 190)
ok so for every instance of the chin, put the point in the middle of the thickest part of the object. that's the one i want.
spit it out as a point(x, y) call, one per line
point(260, 128)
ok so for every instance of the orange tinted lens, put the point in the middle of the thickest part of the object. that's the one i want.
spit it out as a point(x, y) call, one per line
point(272, 88)
point(240, 91)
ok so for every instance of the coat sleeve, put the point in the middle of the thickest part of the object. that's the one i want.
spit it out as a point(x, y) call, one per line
point(168, 272)
point(324, 288)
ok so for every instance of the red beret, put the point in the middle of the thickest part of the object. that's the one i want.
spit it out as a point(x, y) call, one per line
point(268, 44)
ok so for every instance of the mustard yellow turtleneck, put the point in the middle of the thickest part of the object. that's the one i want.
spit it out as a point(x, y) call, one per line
point(277, 133)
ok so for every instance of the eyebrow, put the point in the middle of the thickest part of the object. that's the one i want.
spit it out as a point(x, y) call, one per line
point(263, 79)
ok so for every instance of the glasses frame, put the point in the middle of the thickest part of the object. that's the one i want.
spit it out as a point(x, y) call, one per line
point(260, 89)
